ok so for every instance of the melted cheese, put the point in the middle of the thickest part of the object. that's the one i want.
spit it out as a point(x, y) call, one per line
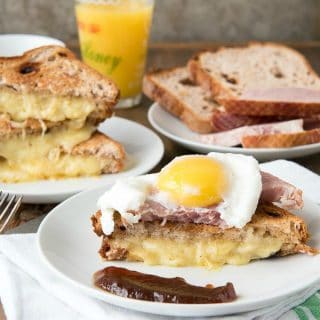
point(63, 167)
point(201, 252)
point(52, 108)
point(41, 157)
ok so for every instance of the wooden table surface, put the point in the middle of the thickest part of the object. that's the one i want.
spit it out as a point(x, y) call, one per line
point(164, 55)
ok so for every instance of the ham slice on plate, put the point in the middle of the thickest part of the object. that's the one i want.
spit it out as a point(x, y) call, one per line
point(285, 95)
point(274, 190)
point(224, 121)
point(280, 192)
point(282, 140)
point(233, 137)
point(287, 102)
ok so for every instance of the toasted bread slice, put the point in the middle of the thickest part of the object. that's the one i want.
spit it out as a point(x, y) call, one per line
point(231, 73)
point(50, 84)
point(173, 90)
point(60, 153)
point(272, 231)
point(281, 140)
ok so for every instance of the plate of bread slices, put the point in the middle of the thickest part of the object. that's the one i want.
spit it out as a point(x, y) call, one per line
point(261, 99)
point(221, 222)
point(55, 140)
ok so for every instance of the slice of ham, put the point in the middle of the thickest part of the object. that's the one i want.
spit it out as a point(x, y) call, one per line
point(274, 190)
point(280, 192)
point(152, 210)
point(285, 95)
point(233, 137)
point(224, 121)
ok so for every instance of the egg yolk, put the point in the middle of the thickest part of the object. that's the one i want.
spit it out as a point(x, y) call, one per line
point(194, 181)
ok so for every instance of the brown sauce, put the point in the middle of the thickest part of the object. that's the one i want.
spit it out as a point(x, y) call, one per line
point(136, 285)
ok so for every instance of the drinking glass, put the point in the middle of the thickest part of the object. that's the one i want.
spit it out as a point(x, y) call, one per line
point(113, 37)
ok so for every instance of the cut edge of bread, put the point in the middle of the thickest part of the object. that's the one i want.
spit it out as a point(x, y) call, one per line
point(170, 102)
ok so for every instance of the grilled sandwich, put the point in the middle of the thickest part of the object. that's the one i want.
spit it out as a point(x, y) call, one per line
point(50, 106)
point(201, 211)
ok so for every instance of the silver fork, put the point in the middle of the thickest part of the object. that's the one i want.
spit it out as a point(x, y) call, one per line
point(8, 209)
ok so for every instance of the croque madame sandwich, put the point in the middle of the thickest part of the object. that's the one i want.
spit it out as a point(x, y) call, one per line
point(201, 211)
point(50, 106)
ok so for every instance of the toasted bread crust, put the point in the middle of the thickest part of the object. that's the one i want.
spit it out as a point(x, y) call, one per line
point(268, 220)
point(102, 146)
point(54, 70)
point(233, 104)
point(283, 140)
point(174, 105)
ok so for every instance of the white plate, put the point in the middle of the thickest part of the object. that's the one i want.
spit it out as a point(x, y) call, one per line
point(174, 129)
point(144, 150)
point(17, 44)
point(70, 250)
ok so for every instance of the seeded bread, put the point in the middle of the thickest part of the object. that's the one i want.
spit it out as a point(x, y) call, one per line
point(229, 72)
point(54, 70)
point(268, 220)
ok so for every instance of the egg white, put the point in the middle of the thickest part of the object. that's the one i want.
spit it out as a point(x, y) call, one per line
point(245, 186)
point(239, 201)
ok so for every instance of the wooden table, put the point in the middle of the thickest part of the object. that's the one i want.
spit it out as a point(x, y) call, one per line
point(165, 55)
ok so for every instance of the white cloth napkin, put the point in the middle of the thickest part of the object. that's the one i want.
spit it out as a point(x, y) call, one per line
point(30, 291)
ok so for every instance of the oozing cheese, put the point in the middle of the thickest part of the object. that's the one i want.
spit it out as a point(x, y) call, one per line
point(64, 166)
point(40, 157)
point(201, 252)
point(23, 106)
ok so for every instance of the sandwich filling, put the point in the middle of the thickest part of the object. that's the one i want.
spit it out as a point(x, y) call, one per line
point(20, 107)
point(210, 253)
point(45, 156)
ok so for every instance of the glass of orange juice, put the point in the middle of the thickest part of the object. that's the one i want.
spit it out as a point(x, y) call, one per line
point(113, 38)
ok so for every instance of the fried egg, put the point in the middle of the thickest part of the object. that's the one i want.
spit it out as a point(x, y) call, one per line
point(229, 182)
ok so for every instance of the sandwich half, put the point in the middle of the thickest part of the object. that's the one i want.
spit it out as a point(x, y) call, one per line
point(160, 232)
point(50, 106)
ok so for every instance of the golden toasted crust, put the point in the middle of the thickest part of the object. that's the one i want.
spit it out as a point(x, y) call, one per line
point(102, 146)
point(282, 140)
point(268, 220)
point(54, 70)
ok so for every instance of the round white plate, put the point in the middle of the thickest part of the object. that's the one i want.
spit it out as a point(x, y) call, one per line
point(17, 44)
point(69, 247)
point(174, 129)
point(144, 150)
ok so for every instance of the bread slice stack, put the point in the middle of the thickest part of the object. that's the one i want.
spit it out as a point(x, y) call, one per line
point(50, 107)
point(239, 87)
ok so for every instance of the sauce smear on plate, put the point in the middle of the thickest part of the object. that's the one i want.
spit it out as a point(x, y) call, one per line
point(132, 284)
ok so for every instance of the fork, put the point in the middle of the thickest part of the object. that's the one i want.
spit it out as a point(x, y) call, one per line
point(8, 209)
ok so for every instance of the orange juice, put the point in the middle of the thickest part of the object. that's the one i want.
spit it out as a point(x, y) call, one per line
point(114, 37)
